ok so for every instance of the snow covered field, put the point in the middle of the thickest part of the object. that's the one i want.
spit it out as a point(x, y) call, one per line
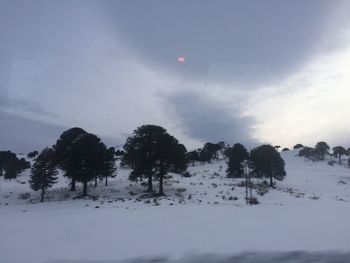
point(309, 210)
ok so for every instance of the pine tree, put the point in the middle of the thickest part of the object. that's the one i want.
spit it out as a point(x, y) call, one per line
point(151, 152)
point(87, 153)
point(65, 162)
point(44, 172)
point(298, 146)
point(267, 162)
point(10, 165)
point(321, 149)
point(339, 151)
point(237, 155)
point(108, 167)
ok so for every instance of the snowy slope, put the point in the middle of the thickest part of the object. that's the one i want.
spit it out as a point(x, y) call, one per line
point(309, 210)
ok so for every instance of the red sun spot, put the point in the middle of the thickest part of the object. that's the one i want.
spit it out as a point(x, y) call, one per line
point(181, 59)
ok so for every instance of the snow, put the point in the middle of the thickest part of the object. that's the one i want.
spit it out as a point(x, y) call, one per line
point(309, 210)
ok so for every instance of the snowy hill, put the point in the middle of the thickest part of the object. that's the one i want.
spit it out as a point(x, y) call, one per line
point(205, 213)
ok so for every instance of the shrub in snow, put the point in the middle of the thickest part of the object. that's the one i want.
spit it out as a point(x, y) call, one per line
point(331, 163)
point(186, 174)
point(253, 201)
point(24, 196)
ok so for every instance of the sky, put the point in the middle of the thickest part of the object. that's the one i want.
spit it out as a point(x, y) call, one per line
point(270, 71)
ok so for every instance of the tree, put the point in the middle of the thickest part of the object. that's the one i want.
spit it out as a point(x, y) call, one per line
point(306, 152)
point(87, 152)
point(237, 156)
point(151, 152)
point(179, 158)
point(108, 166)
point(205, 155)
point(211, 150)
point(285, 149)
point(277, 147)
point(298, 146)
point(32, 154)
point(192, 156)
point(10, 165)
point(23, 164)
point(339, 151)
point(44, 172)
point(67, 163)
point(267, 162)
point(321, 149)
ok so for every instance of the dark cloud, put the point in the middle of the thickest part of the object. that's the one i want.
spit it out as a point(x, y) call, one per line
point(276, 35)
point(21, 134)
point(207, 120)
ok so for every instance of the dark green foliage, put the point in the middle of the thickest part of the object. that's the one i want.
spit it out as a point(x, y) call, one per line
point(267, 162)
point(210, 150)
point(23, 164)
point(339, 151)
point(306, 152)
point(321, 149)
point(68, 164)
point(237, 155)
point(152, 152)
point(179, 159)
point(119, 153)
point(32, 154)
point(227, 152)
point(88, 154)
point(192, 156)
point(83, 157)
point(205, 155)
point(10, 165)
point(298, 146)
point(44, 173)
point(285, 149)
point(108, 166)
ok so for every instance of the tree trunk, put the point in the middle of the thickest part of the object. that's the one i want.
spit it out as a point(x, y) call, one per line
point(161, 190)
point(72, 185)
point(42, 195)
point(106, 181)
point(339, 158)
point(271, 181)
point(85, 188)
point(95, 181)
point(150, 186)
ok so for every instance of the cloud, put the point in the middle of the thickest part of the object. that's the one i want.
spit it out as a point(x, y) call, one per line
point(279, 36)
point(312, 106)
point(207, 119)
point(21, 134)
point(111, 66)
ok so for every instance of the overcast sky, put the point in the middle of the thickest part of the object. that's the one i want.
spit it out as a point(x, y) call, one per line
point(264, 71)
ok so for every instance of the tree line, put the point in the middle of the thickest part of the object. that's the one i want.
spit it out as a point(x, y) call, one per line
point(151, 153)
point(321, 150)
